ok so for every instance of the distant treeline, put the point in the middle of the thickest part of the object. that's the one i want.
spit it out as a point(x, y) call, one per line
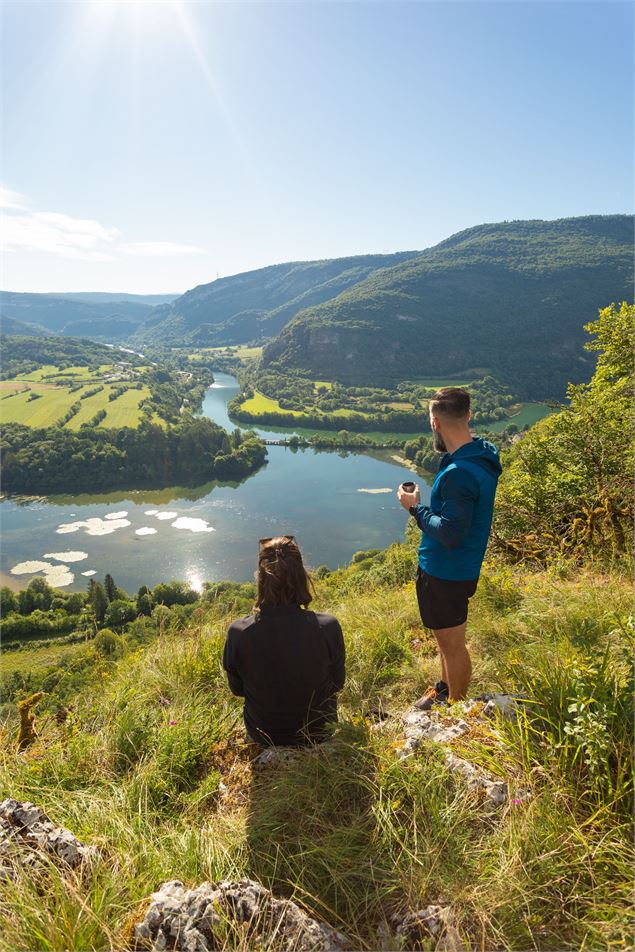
point(60, 460)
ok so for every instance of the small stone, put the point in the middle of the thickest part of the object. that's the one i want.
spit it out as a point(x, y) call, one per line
point(431, 922)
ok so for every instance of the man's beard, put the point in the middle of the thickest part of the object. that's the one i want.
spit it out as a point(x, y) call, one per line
point(438, 443)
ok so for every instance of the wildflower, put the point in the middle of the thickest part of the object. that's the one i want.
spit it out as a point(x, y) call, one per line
point(516, 801)
point(172, 723)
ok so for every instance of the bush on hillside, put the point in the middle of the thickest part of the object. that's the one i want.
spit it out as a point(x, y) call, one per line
point(567, 485)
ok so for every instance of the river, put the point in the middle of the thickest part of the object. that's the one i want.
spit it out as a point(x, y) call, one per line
point(209, 532)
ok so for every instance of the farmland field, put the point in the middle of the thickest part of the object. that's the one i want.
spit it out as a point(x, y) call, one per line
point(38, 374)
point(124, 411)
point(55, 401)
point(52, 405)
point(259, 403)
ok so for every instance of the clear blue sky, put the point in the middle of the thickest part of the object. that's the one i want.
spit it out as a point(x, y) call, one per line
point(148, 146)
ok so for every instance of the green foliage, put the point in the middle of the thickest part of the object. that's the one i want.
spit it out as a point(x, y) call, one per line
point(191, 452)
point(566, 485)
point(98, 599)
point(173, 593)
point(579, 712)
point(8, 601)
point(119, 612)
point(108, 643)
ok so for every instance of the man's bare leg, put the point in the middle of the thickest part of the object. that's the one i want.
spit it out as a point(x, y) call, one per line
point(455, 660)
point(444, 673)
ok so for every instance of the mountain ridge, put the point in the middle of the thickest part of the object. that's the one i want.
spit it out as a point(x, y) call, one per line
point(257, 304)
point(489, 296)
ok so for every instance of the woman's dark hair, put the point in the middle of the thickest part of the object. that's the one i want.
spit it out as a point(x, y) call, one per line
point(281, 578)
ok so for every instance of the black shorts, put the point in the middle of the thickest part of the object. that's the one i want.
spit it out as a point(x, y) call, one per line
point(443, 604)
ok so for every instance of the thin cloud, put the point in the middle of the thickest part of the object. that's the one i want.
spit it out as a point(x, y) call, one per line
point(63, 235)
point(157, 248)
point(10, 199)
point(57, 235)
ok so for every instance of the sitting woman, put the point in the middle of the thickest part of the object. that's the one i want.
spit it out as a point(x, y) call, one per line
point(287, 662)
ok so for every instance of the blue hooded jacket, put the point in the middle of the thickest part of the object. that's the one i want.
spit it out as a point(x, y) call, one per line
point(455, 526)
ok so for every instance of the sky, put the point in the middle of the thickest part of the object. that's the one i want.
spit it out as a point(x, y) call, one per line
point(152, 146)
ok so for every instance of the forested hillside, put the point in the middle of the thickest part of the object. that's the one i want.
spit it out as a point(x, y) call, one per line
point(257, 304)
point(508, 298)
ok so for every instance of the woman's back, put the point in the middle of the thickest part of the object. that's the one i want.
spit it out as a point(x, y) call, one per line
point(287, 663)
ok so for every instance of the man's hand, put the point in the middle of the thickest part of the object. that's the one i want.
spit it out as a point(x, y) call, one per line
point(408, 499)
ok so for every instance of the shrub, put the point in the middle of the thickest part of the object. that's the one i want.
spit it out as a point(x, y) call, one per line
point(108, 643)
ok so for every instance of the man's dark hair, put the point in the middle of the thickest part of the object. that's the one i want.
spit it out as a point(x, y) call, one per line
point(451, 402)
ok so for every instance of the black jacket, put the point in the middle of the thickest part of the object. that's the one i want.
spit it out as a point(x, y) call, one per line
point(288, 664)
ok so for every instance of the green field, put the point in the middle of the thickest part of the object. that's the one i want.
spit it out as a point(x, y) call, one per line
point(248, 353)
point(124, 411)
point(44, 371)
point(259, 403)
point(241, 351)
point(38, 413)
point(55, 401)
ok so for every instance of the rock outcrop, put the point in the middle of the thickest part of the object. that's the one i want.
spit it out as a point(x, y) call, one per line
point(197, 920)
point(443, 729)
point(27, 835)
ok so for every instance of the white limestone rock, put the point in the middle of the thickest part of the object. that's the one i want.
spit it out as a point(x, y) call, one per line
point(195, 920)
point(495, 790)
point(422, 725)
point(27, 833)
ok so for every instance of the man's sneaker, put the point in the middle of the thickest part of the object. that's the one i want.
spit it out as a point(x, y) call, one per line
point(439, 695)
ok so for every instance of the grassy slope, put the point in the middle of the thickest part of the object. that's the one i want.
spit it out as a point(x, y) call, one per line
point(350, 832)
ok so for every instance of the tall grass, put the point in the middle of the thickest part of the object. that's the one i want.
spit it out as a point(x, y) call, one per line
point(349, 831)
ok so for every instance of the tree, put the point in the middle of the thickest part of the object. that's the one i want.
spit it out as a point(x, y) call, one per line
point(110, 587)
point(98, 599)
point(8, 601)
point(120, 612)
point(144, 604)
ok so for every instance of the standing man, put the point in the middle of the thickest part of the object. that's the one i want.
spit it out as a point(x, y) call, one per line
point(455, 528)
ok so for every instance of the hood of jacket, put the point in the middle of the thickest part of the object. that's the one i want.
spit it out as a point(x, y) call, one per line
point(479, 452)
